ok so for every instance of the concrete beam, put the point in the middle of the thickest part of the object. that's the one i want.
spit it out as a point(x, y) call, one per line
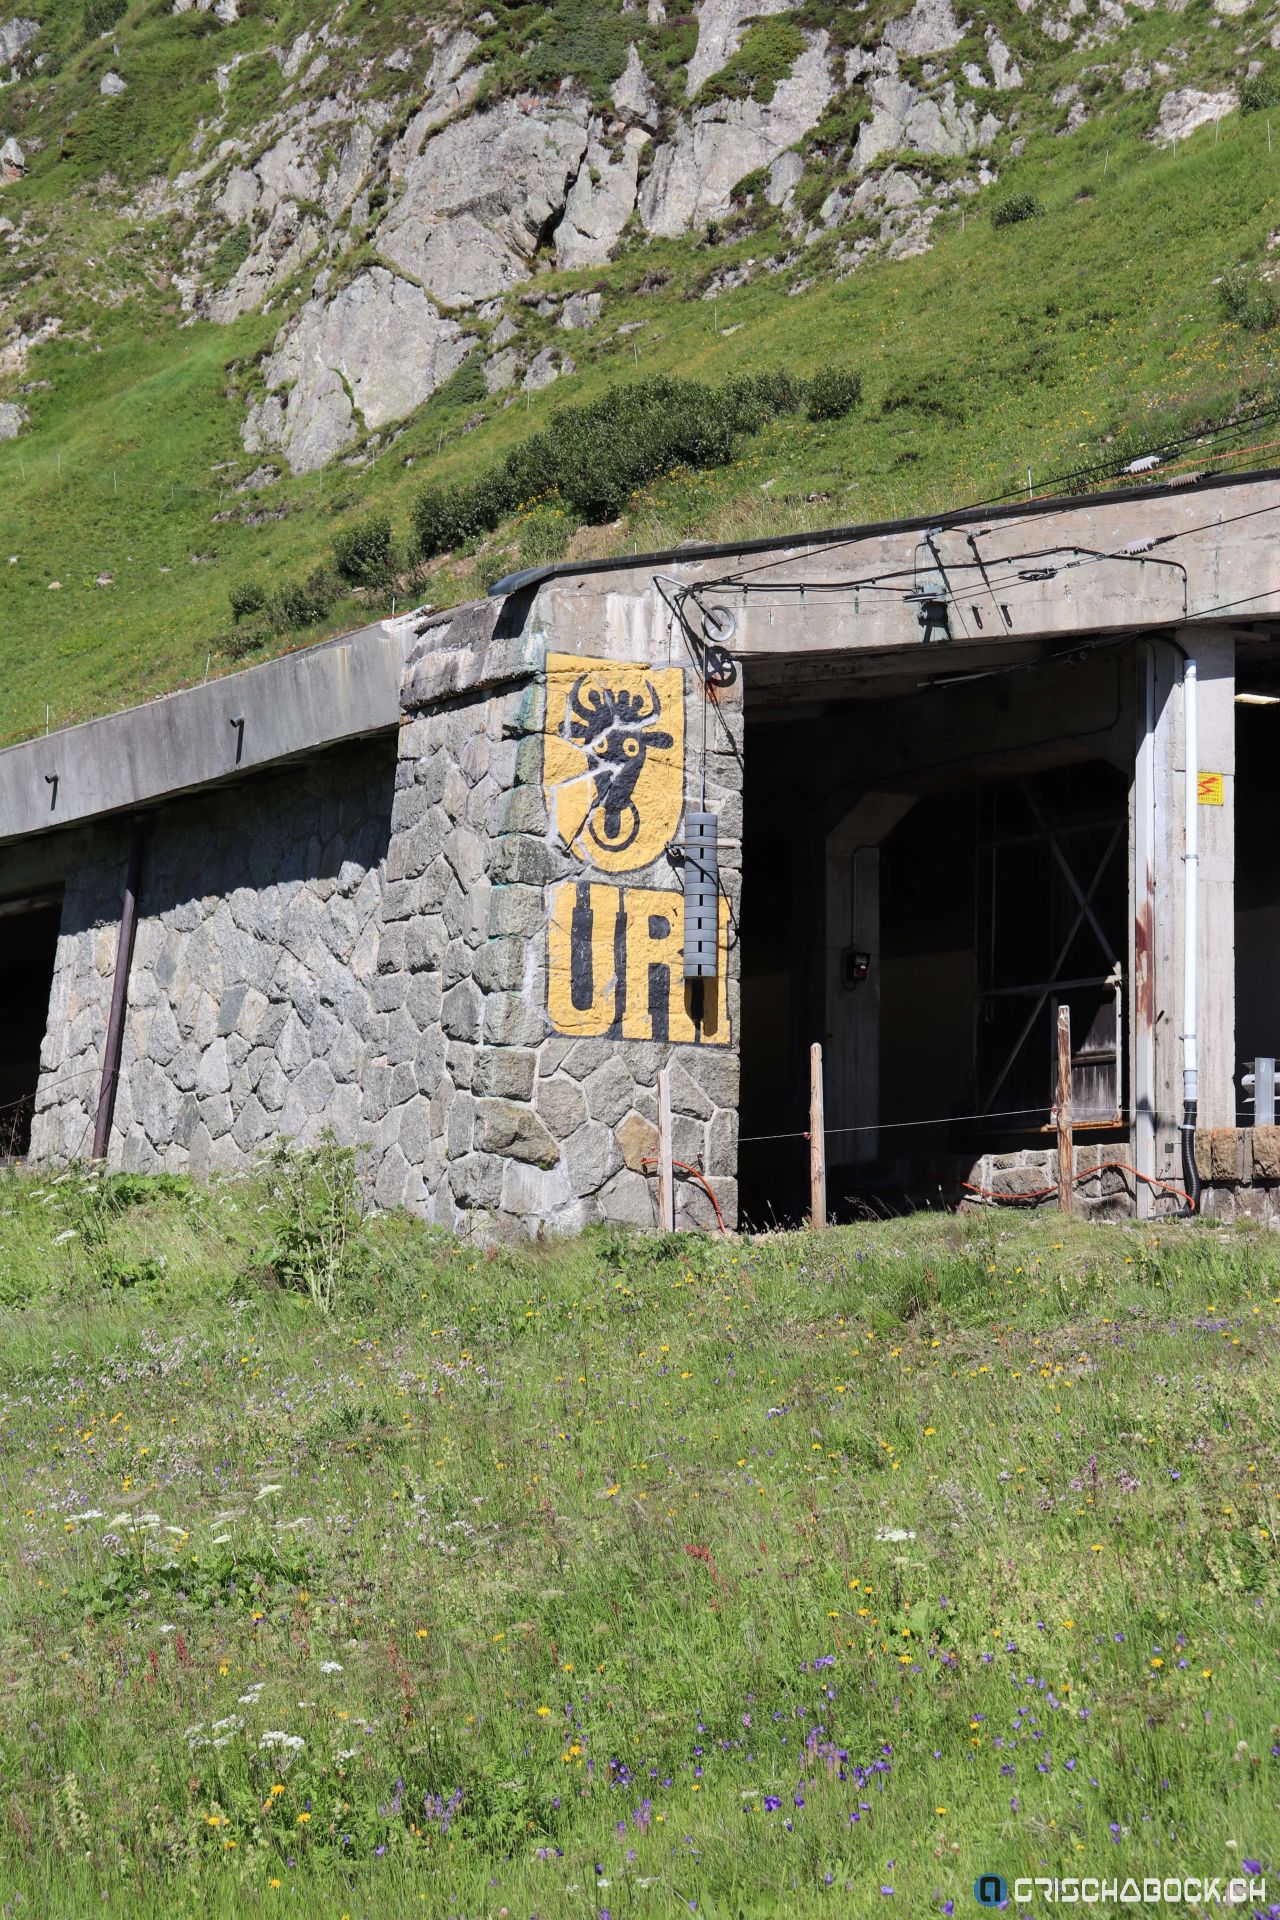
point(304, 701)
point(1092, 566)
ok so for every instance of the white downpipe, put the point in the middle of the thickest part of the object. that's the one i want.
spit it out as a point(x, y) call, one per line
point(1191, 883)
point(1143, 982)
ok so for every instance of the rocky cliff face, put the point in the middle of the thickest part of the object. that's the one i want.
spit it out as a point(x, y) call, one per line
point(392, 201)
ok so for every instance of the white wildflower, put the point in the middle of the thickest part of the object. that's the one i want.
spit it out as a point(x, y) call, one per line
point(895, 1534)
point(264, 1493)
point(331, 1666)
point(282, 1742)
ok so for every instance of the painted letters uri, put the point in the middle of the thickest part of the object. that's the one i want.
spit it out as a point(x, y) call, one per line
point(615, 966)
point(613, 759)
point(613, 775)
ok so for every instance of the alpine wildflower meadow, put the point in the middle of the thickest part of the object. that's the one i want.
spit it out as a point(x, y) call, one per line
point(803, 1575)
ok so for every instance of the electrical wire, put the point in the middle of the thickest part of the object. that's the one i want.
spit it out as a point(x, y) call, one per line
point(1105, 469)
point(694, 1174)
point(1036, 1194)
point(886, 1126)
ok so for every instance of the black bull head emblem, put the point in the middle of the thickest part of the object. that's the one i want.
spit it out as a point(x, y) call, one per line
point(613, 726)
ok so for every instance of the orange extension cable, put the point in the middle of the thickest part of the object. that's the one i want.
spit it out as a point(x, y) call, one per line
point(1105, 1166)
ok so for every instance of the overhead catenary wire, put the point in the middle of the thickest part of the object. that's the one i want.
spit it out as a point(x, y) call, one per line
point(1104, 469)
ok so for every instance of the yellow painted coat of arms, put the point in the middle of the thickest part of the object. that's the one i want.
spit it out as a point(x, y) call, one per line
point(613, 759)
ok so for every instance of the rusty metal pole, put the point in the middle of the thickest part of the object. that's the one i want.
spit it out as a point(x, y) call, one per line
point(1066, 1146)
point(666, 1172)
point(119, 992)
point(817, 1142)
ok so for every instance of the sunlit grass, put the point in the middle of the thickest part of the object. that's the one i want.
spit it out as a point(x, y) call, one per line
point(758, 1575)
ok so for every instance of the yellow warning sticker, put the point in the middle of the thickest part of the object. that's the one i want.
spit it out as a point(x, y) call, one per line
point(1209, 789)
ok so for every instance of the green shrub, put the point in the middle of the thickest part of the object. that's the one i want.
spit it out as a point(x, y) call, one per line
point(465, 387)
point(245, 641)
point(597, 456)
point(833, 392)
point(1260, 91)
point(101, 15)
point(230, 253)
point(362, 551)
point(298, 604)
point(246, 597)
point(1015, 207)
point(769, 50)
point(1248, 299)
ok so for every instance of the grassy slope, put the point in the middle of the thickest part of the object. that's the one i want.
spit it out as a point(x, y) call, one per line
point(592, 1534)
point(999, 350)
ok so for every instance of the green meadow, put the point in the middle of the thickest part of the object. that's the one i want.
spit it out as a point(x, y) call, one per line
point(805, 1575)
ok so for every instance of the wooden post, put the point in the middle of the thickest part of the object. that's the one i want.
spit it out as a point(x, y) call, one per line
point(666, 1174)
point(1066, 1148)
point(817, 1142)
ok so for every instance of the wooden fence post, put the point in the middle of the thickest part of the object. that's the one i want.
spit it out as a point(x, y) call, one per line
point(666, 1173)
point(817, 1142)
point(1066, 1147)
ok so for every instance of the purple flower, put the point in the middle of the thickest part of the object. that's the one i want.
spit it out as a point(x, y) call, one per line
point(771, 1803)
point(886, 1890)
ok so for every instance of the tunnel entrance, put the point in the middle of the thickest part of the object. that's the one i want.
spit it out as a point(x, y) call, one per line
point(925, 923)
point(28, 945)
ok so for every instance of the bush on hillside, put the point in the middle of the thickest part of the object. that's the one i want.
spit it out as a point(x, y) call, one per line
point(362, 551)
point(1015, 207)
point(833, 392)
point(596, 457)
point(465, 386)
point(1260, 91)
point(1248, 299)
point(101, 15)
point(298, 604)
point(246, 597)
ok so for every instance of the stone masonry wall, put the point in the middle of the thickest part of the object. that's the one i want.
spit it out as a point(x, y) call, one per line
point(480, 1108)
point(462, 955)
point(250, 996)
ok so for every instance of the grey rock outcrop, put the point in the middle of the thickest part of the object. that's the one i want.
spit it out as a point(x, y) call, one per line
point(930, 27)
point(15, 37)
point(500, 370)
point(693, 177)
point(600, 202)
point(785, 175)
point(632, 92)
point(373, 352)
point(477, 200)
point(580, 310)
point(1185, 108)
point(13, 419)
point(544, 368)
point(1006, 74)
point(318, 162)
point(903, 117)
point(452, 84)
point(112, 84)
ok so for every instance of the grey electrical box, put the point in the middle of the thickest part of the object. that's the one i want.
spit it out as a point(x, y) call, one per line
point(701, 897)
